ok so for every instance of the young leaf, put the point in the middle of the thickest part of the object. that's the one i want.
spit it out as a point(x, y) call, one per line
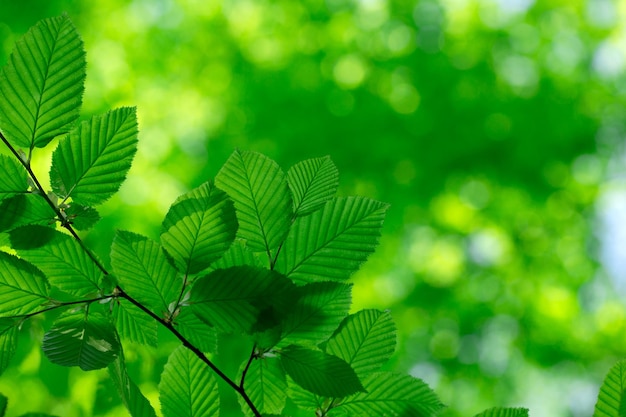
point(365, 340)
point(41, 86)
point(136, 404)
point(13, 179)
point(8, 342)
point(265, 385)
point(134, 324)
point(187, 387)
point(144, 272)
point(59, 257)
point(332, 242)
point(319, 372)
point(612, 396)
point(23, 287)
point(259, 189)
point(393, 394)
point(318, 312)
point(25, 209)
point(504, 412)
point(199, 228)
point(312, 182)
point(78, 339)
point(91, 162)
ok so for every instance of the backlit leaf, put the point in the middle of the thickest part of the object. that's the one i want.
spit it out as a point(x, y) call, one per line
point(265, 385)
point(198, 332)
point(41, 86)
point(23, 287)
point(81, 217)
point(312, 182)
point(504, 412)
point(237, 254)
point(8, 342)
point(24, 209)
point(135, 402)
point(134, 324)
point(13, 179)
point(612, 396)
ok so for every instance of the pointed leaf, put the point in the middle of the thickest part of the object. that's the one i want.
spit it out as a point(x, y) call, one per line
point(91, 162)
point(318, 312)
point(136, 404)
point(187, 387)
point(265, 385)
point(319, 372)
point(504, 412)
point(237, 254)
point(41, 86)
point(23, 287)
point(332, 243)
point(259, 189)
point(312, 182)
point(13, 179)
point(199, 228)
point(365, 340)
point(25, 209)
point(612, 396)
point(387, 393)
point(144, 272)
point(8, 342)
point(59, 257)
point(134, 324)
point(78, 339)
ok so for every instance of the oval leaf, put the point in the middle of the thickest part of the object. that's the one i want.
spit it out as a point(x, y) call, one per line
point(312, 182)
point(612, 397)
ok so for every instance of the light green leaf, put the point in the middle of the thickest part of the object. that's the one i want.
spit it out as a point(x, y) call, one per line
point(259, 189)
point(319, 372)
point(14, 179)
point(387, 393)
point(8, 342)
point(312, 182)
point(23, 287)
point(188, 387)
point(232, 300)
point(59, 257)
point(265, 385)
point(332, 243)
point(237, 254)
point(144, 272)
point(504, 412)
point(136, 404)
point(199, 333)
point(91, 162)
point(302, 398)
point(317, 313)
point(25, 209)
point(612, 396)
point(199, 228)
point(365, 340)
point(134, 324)
point(42, 84)
point(78, 339)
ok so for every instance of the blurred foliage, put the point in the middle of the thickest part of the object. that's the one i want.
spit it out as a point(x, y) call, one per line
point(493, 127)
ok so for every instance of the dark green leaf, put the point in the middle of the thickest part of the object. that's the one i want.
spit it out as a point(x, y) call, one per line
point(332, 243)
point(199, 228)
point(312, 182)
point(198, 332)
point(259, 189)
point(188, 387)
point(60, 257)
point(82, 217)
point(3, 405)
point(136, 404)
point(134, 324)
point(91, 162)
point(25, 209)
point(78, 339)
point(265, 385)
point(8, 342)
point(41, 86)
point(612, 396)
point(13, 179)
point(319, 372)
point(23, 287)
point(504, 412)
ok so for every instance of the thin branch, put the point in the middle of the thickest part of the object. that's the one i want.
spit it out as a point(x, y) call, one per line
point(245, 370)
point(59, 305)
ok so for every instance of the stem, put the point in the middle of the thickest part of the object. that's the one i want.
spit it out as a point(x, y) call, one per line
point(60, 305)
point(245, 370)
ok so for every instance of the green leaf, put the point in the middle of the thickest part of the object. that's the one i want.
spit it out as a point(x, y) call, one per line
point(199, 333)
point(332, 242)
point(312, 182)
point(144, 272)
point(3, 405)
point(504, 412)
point(59, 257)
point(188, 387)
point(134, 324)
point(237, 254)
point(136, 404)
point(233, 299)
point(91, 162)
point(612, 396)
point(42, 84)
point(319, 372)
point(199, 228)
point(25, 209)
point(265, 385)
point(23, 287)
point(365, 340)
point(303, 398)
point(36, 415)
point(8, 342)
point(14, 179)
point(318, 312)
point(78, 339)
point(387, 393)
point(259, 189)
point(81, 217)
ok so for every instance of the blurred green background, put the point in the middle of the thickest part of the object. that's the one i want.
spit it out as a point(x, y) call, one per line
point(495, 128)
